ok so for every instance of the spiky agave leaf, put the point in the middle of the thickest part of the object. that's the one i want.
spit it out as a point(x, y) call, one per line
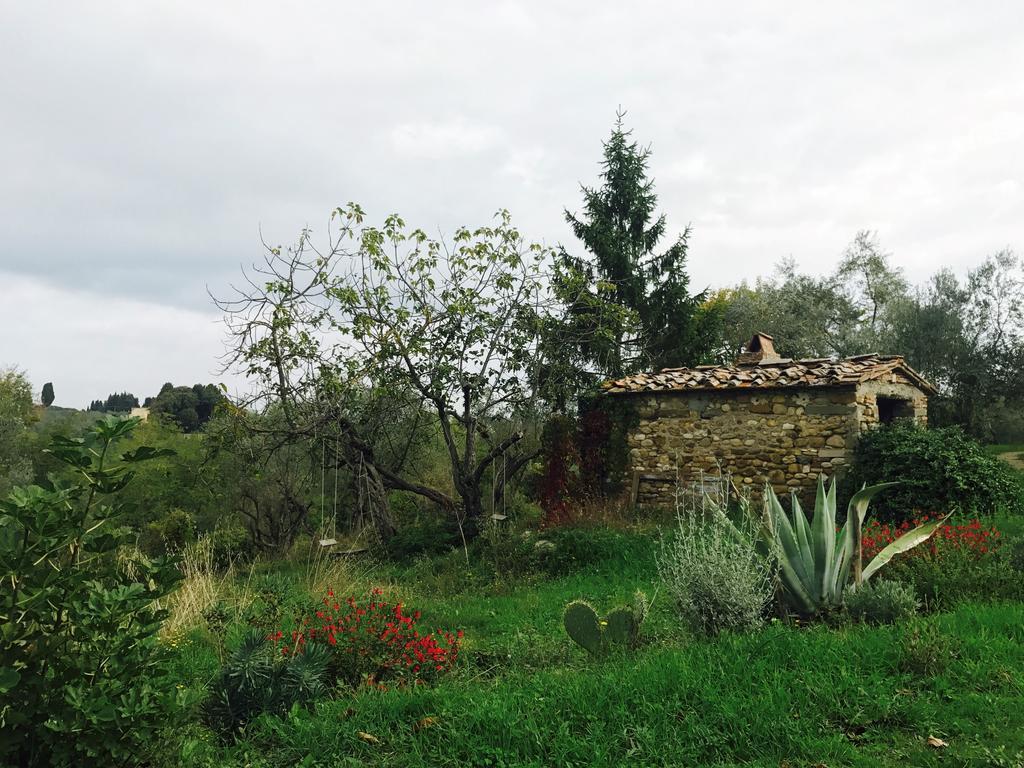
point(814, 560)
point(823, 539)
point(858, 506)
point(908, 540)
point(793, 560)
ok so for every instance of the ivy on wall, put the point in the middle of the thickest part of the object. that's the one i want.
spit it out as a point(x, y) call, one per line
point(586, 457)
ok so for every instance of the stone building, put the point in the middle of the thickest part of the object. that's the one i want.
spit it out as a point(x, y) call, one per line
point(764, 418)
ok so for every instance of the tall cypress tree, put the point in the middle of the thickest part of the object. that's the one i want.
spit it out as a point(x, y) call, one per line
point(629, 306)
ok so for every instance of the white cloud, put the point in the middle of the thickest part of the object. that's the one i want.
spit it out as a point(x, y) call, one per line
point(450, 138)
point(141, 149)
point(90, 345)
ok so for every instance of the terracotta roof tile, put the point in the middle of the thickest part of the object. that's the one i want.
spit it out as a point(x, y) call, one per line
point(819, 372)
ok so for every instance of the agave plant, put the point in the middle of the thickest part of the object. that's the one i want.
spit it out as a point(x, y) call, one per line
point(816, 563)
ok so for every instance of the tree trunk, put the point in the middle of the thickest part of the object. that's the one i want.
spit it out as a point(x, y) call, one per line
point(375, 504)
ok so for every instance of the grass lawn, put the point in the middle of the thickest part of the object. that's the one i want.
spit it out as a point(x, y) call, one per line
point(524, 695)
point(1011, 453)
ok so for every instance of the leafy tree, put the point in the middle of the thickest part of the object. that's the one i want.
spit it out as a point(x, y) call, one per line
point(967, 336)
point(188, 407)
point(628, 305)
point(848, 312)
point(116, 402)
point(872, 286)
point(180, 405)
point(47, 396)
point(808, 316)
point(273, 484)
point(15, 418)
point(83, 678)
point(387, 316)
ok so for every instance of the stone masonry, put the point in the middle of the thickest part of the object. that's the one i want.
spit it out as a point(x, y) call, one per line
point(776, 432)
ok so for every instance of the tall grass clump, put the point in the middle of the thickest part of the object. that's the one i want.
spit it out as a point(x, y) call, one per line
point(318, 569)
point(201, 587)
point(713, 571)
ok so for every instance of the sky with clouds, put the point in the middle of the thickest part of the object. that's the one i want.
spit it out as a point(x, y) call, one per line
point(144, 146)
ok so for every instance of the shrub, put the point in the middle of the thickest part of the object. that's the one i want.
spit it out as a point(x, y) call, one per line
point(169, 534)
point(255, 680)
point(428, 535)
point(972, 538)
point(961, 561)
point(881, 602)
point(83, 679)
point(506, 552)
point(231, 543)
point(273, 597)
point(373, 641)
point(939, 469)
point(958, 575)
point(1015, 555)
point(715, 575)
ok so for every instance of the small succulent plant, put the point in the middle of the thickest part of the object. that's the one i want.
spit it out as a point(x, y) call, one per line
point(621, 627)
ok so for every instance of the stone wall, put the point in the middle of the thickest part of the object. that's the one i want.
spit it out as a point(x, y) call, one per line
point(783, 436)
point(894, 386)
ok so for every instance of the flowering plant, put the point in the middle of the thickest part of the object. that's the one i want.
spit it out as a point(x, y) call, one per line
point(971, 538)
point(374, 641)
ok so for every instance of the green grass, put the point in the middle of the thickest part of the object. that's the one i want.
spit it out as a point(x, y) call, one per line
point(1011, 453)
point(996, 448)
point(524, 695)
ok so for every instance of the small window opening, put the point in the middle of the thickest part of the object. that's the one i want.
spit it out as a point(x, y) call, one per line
point(892, 408)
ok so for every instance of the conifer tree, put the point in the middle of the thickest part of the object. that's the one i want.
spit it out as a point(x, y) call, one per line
point(628, 305)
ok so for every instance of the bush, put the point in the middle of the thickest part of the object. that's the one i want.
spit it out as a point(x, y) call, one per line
point(716, 576)
point(958, 575)
point(970, 538)
point(938, 470)
point(373, 641)
point(256, 680)
point(169, 534)
point(231, 543)
point(881, 602)
point(274, 597)
point(429, 535)
point(83, 679)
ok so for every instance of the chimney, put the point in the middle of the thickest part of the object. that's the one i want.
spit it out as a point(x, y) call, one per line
point(760, 349)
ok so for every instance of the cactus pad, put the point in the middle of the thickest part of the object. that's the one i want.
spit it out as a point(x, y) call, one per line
point(621, 627)
point(583, 626)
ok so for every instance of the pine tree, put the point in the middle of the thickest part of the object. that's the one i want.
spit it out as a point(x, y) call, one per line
point(47, 396)
point(628, 306)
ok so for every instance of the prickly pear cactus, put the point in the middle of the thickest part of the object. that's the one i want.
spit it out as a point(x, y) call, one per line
point(583, 626)
point(621, 627)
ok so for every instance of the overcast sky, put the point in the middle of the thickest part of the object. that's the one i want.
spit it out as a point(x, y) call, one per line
point(144, 145)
